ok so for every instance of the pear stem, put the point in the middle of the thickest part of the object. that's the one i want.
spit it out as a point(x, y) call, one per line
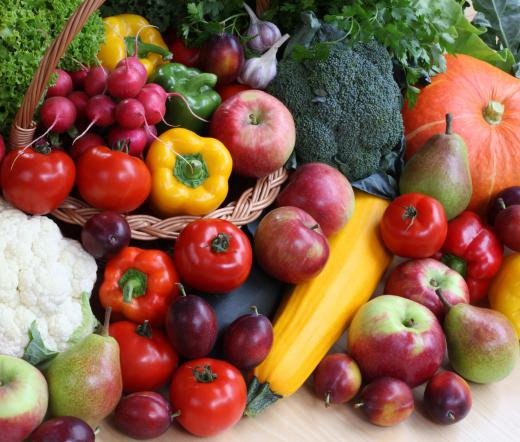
point(449, 123)
point(446, 304)
point(108, 312)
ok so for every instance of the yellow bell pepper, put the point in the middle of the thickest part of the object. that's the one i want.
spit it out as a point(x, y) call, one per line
point(504, 292)
point(189, 173)
point(120, 32)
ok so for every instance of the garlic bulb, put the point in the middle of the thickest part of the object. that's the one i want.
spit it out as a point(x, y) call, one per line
point(265, 33)
point(258, 72)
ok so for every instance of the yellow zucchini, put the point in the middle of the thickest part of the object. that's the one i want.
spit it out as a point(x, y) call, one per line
point(313, 315)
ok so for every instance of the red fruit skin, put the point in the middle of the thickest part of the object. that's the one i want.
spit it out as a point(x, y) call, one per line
point(223, 55)
point(79, 99)
point(257, 147)
point(290, 246)
point(447, 398)
point(509, 196)
point(507, 227)
point(90, 139)
point(387, 401)
point(2, 148)
point(144, 415)
point(337, 379)
point(78, 78)
point(228, 90)
point(323, 192)
point(248, 341)
point(95, 82)
point(63, 85)
point(66, 428)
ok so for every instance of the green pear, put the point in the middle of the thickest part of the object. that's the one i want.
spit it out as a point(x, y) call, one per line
point(85, 380)
point(440, 169)
point(482, 343)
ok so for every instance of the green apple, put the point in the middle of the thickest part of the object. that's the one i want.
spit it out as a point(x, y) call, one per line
point(396, 337)
point(23, 398)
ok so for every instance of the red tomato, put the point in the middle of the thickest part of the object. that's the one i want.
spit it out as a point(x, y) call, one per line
point(37, 180)
point(213, 255)
point(183, 54)
point(414, 226)
point(228, 90)
point(210, 395)
point(113, 180)
point(147, 357)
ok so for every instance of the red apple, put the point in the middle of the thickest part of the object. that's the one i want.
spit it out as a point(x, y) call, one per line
point(290, 246)
point(323, 192)
point(447, 398)
point(23, 398)
point(396, 337)
point(421, 279)
point(386, 401)
point(223, 55)
point(258, 131)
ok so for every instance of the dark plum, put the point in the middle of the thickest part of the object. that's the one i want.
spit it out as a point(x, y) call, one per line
point(507, 227)
point(248, 340)
point(386, 401)
point(507, 197)
point(63, 429)
point(337, 379)
point(223, 56)
point(143, 415)
point(447, 398)
point(191, 325)
point(105, 234)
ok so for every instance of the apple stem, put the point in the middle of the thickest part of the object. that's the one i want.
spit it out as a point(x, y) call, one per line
point(434, 283)
point(451, 416)
point(327, 399)
point(446, 304)
point(108, 312)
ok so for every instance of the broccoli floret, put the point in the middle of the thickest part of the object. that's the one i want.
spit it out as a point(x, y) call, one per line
point(346, 108)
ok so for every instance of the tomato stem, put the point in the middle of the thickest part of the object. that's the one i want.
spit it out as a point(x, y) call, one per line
point(133, 284)
point(44, 149)
point(220, 244)
point(410, 213)
point(144, 329)
point(204, 374)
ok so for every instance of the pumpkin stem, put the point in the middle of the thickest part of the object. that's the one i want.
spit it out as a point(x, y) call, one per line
point(449, 122)
point(493, 112)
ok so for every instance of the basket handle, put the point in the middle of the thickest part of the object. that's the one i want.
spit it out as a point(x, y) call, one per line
point(23, 128)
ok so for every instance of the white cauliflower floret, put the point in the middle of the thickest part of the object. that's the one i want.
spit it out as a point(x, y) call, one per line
point(44, 278)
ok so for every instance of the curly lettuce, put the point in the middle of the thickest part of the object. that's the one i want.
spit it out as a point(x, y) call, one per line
point(27, 28)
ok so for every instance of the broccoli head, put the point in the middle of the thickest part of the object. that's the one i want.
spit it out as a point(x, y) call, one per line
point(347, 108)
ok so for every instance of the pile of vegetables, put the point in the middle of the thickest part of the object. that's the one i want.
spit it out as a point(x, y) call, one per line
point(225, 321)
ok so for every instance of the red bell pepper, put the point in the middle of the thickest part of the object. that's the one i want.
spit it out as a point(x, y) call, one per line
point(474, 251)
point(140, 285)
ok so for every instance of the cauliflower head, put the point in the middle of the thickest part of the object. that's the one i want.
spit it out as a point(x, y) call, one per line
point(45, 281)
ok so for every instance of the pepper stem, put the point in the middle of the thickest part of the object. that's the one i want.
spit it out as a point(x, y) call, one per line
point(191, 171)
point(204, 374)
point(144, 329)
point(133, 284)
point(220, 244)
point(144, 49)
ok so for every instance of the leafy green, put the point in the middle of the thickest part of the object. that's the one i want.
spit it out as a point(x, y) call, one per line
point(36, 352)
point(27, 28)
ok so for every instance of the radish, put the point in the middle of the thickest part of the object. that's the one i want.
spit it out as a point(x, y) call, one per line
point(80, 99)
point(96, 81)
point(127, 80)
point(62, 86)
point(90, 139)
point(2, 149)
point(153, 103)
point(130, 113)
point(78, 77)
point(133, 62)
point(101, 111)
point(131, 140)
point(57, 114)
point(151, 134)
point(156, 88)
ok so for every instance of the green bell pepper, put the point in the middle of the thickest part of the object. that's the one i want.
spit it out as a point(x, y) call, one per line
point(197, 89)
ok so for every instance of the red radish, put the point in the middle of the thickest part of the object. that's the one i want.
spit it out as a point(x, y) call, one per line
point(127, 80)
point(96, 81)
point(90, 139)
point(78, 77)
point(133, 62)
point(133, 140)
point(62, 86)
point(151, 134)
point(154, 105)
point(156, 88)
point(2, 148)
point(58, 114)
point(101, 110)
point(130, 113)
point(80, 100)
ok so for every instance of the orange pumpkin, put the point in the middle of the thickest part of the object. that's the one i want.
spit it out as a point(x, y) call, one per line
point(485, 103)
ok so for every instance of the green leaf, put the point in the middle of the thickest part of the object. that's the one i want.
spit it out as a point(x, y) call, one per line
point(504, 19)
point(36, 352)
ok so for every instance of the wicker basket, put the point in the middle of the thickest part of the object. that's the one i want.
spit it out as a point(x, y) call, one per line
point(144, 227)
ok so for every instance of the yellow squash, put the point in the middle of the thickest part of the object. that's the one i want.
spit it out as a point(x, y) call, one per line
point(315, 314)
